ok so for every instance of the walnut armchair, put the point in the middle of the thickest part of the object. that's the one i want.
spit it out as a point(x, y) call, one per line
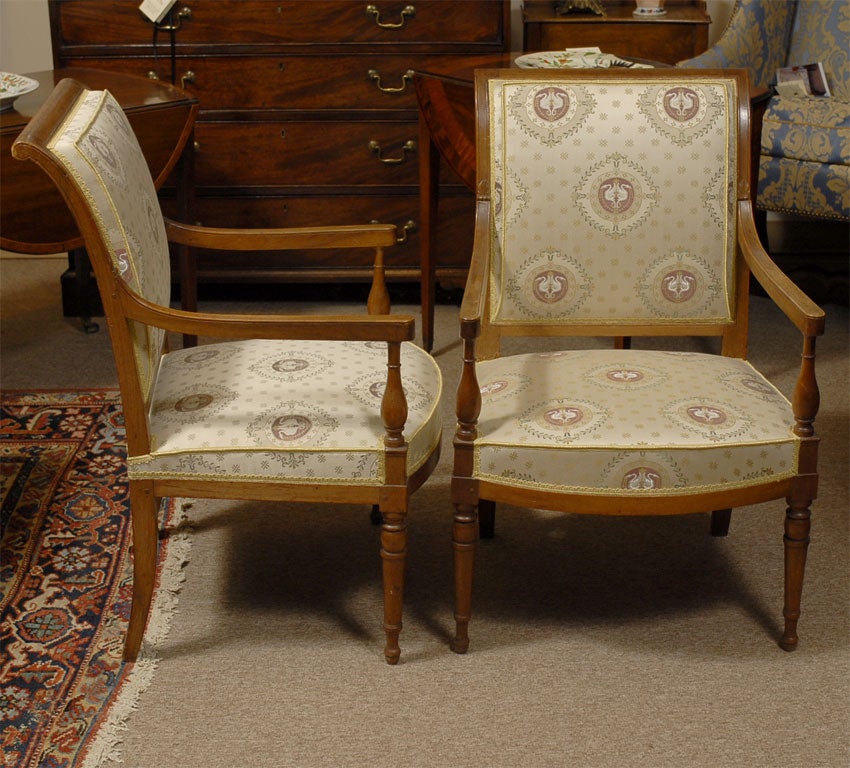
point(303, 408)
point(617, 204)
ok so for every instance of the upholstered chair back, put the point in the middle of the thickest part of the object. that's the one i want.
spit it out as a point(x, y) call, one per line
point(101, 152)
point(592, 224)
point(760, 27)
point(821, 32)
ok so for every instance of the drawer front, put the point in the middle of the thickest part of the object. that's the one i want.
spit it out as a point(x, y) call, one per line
point(119, 23)
point(241, 154)
point(299, 82)
point(454, 230)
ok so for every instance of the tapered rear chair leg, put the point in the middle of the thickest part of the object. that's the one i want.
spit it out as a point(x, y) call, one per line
point(144, 507)
point(720, 520)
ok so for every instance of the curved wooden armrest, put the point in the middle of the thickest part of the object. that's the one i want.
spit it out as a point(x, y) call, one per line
point(475, 293)
point(218, 238)
point(391, 328)
point(798, 307)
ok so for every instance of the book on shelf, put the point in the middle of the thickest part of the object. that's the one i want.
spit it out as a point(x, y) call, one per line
point(805, 80)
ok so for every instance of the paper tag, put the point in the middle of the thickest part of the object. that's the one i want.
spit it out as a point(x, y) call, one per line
point(155, 10)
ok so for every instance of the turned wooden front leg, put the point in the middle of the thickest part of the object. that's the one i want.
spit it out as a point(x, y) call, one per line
point(797, 527)
point(393, 554)
point(464, 536)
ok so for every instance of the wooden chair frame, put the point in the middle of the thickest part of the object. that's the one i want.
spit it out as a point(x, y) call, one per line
point(122, 305)
point(474, 499)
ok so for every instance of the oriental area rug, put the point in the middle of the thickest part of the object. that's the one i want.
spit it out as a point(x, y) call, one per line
point(66, 578)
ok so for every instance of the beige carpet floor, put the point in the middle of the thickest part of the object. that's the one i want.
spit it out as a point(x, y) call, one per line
point(596, 643)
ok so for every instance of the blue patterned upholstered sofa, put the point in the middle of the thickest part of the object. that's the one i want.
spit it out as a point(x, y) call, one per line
point(804, 167)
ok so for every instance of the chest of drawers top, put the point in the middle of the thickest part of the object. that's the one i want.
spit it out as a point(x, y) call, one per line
point(82, 26)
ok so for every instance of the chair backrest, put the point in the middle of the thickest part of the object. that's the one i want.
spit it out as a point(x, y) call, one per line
point(757, 37)
point(821, 33)
point(613, 199)
point(108, 185)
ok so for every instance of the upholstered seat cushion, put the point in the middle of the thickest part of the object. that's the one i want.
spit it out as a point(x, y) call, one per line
point(628, 421)
point(302, 411)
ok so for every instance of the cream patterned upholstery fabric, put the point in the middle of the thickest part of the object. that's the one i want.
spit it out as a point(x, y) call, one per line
point(700, 422)
point(568, 181)
point(299, 411)
point(603, 222)
point(99, 148)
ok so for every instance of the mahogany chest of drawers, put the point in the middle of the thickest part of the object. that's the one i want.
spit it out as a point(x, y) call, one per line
point(680, 33)
point(308, 114)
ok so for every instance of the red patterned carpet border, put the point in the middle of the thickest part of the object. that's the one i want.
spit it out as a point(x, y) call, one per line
point(65, 574)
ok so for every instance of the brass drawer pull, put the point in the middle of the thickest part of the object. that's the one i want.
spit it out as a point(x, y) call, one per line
point(410, 226)
point(408, 10)
point(184, 13)
point(188, 77)
point(409, 146)
point(405, 79)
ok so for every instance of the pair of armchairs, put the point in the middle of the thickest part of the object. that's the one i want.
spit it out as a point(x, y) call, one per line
point(610, 204)
point(804, 165)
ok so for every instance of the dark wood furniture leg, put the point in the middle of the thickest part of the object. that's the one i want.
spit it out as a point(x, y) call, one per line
point(720, 520)
point(486, 518)
point(186, 258)
point(429, 184)
point(84, 287)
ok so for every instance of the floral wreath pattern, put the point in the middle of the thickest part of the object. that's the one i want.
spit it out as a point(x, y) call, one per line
point(640, 473)
point(549, 284)
point(550, 113)
point(292, 424)
point(682, 113)
point(713, 420)
point(681, 283)
point(506, 385)
point(510, 199)
point(751, 384)
point(615, 195)
point(369, 389)
point(718, 196)
point(563, 419)
point(297, 367)
point(625, 377)
point(185, 405)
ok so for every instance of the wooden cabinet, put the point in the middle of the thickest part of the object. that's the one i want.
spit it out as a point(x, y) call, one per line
point(682, 32)
point(307, 113)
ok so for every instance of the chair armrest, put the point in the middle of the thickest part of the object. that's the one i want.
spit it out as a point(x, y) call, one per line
point(799, 308)
point(475, 293)
point(390, 328)
point(280, 239)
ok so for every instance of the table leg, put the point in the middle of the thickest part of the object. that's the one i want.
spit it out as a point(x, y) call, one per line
point(85, 288)
point(186, 261)
point(429, 183)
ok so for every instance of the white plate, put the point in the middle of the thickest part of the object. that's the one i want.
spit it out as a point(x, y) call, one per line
point(573, 58)
point(12, 86)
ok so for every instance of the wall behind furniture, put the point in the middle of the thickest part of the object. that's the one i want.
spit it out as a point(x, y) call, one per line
point(24, 36)
point(25, 31)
